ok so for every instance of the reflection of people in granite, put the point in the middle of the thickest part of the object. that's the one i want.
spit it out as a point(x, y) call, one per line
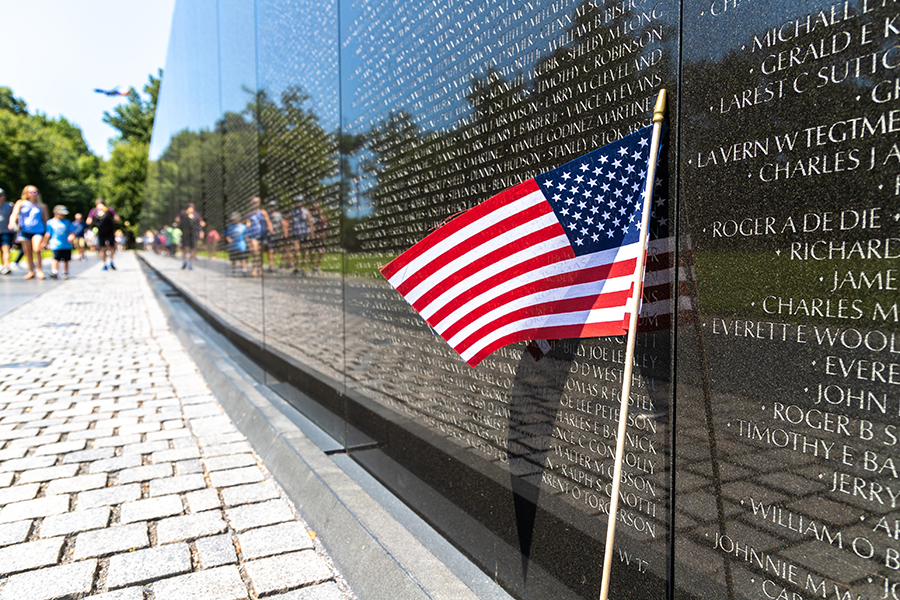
point(317, 241)
point(236, 236)
point(191, 224)
point(259, 229)
point(212, 242)
point(302, 227)
point(279, 236)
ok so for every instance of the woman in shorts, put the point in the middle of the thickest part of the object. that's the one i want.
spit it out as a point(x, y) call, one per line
point(28, 217)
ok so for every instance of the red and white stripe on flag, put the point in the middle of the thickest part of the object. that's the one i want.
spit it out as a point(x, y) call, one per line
point(551, 258)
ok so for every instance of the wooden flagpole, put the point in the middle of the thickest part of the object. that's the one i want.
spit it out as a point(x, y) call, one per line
point(635, 305)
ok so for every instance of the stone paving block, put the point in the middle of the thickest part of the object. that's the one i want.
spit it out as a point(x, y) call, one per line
point(324, 591)
point(108, 496)
point(184, 442)
point(66, 428)
point(129, 593)
point(115, 463)
point(177, 484)
point(14, 434)
point(29, 509)
point(120, 421)
point(202, 500)
point(230, 448)
point(146, 447)
point(274, 539)
point(259, 515)
point(151, 508)
point(48, 473)
point(9, 453)
point(61, 447)
point(25, 418)
point(28, 462)
point(17, 493)
point(246, 494)
point(229, 461)
point(146, 565)
point(186, 467)
point(117, 440)
point(176, 454)
point(138, 428)
point(282, 573)
point(221, 479)
point(14, 533)
point(216, 551)
point(88, 455)
point(32, 440)
point(98, 432)
point(188, 527)
point(75, 522)
point(79, 483)
point(52, 582)
point(206, 426)
point(111, 540)
point(221, 583)
point(43, 424)
point(218, 440)
point(205, 409)
point(145, 473)
point(6, 479)
point(30, 555)
point(169, 434)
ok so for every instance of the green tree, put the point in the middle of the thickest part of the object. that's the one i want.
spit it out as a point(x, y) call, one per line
point(124, 175)
point(134, 119)
point(48, 153)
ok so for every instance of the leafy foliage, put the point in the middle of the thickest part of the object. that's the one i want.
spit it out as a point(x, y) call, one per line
point(123, 176)
point(48, 153)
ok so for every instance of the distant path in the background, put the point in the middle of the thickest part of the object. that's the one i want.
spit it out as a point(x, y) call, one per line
point(15, 291)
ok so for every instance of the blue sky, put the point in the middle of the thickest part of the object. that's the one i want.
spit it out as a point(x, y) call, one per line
point(55, 52)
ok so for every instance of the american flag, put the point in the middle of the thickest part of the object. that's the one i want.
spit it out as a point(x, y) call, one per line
point(551, 258)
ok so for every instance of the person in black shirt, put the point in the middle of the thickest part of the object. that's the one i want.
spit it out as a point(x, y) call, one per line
point(104, 219)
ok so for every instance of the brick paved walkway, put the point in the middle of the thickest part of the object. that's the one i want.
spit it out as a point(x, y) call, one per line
point(120, 476)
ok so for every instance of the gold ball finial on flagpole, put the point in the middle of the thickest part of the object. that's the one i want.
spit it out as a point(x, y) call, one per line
point(660, 108)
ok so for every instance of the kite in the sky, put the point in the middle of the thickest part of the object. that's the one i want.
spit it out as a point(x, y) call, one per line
point(113, 92)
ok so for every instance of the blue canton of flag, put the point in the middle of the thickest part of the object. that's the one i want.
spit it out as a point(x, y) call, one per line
point(598, 198)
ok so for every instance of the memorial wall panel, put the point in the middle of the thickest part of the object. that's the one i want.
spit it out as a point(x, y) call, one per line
point(300, 177)
point(761, 439)
point(786, 391)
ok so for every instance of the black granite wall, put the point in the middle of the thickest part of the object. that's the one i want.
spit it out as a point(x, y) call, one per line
point(761, 445)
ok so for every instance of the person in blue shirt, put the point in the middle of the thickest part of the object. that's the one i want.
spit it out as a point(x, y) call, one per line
point(58, 238)
point(236, 236)
point(79, 243)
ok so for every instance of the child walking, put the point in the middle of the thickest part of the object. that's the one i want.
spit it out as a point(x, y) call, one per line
point(58, 238)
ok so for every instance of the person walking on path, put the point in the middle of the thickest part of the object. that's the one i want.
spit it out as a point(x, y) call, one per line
point(58, 238)
point(79, 243)
point(28, 217)
point(104, 219)
point(7, 234)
